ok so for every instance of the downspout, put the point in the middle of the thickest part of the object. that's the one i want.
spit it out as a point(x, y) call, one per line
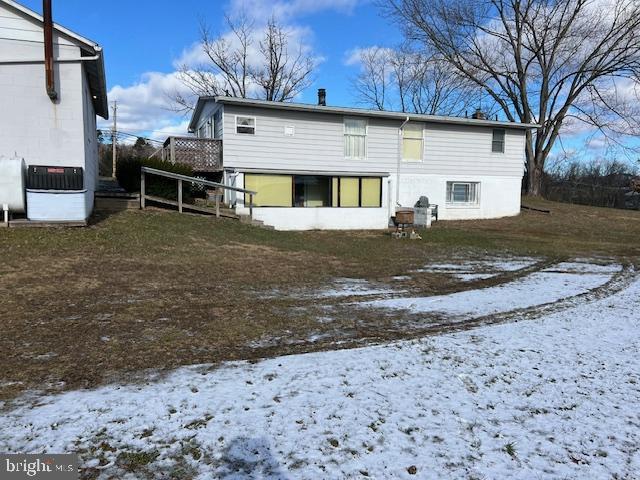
point(400, 137)
point(48, 49)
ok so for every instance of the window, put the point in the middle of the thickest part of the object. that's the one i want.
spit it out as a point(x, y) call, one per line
point(357, 192)
point(246, 125)
point(412, 146)
point(349, 192)
point(312, 191)
point(370, 192)
point(497, 146)
point(217, 124)
point(463, 192)
point(272, 190)
point(355, 138)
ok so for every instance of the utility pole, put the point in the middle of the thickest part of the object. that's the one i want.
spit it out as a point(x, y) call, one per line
point(114, 132)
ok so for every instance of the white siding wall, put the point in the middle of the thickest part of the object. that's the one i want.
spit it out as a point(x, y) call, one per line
point(31, 125)
point(208, 111)
point(318, 145)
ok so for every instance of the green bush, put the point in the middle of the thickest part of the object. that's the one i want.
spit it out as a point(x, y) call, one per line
point(128, 173)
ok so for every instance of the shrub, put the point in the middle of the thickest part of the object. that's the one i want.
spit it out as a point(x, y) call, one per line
point(128, 173)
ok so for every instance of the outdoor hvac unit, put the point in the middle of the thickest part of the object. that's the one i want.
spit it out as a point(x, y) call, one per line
point(12, 184)
point(56, 194)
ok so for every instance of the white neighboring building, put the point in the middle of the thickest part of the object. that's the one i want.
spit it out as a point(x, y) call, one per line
point(321, 167)
point(42, 131)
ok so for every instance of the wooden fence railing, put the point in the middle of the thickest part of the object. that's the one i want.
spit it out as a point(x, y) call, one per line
point(184, 178)
point(202, 154)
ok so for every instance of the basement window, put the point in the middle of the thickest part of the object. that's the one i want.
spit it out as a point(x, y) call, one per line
point(463, 193)
point(246, 125)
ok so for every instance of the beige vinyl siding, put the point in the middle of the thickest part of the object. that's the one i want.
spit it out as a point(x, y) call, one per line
point(318, 145)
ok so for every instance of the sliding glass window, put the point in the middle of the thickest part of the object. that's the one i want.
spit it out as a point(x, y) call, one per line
point(357, 192)
point(272, 190)
point(313, 191)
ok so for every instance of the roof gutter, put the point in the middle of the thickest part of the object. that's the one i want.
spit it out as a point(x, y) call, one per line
point(400, 137)
point(42, 60)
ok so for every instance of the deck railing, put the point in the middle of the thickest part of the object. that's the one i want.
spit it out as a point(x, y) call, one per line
point(184, 178)
point(202, 154)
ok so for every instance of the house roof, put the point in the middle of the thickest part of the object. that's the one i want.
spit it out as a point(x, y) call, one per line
point(305, 107)
point(94, 68)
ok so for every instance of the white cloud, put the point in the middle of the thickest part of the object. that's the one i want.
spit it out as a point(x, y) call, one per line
point(288, 9)
point(145, 106)
point(353, 57)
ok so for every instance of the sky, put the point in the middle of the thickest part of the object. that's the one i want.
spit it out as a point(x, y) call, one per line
point(144, 41)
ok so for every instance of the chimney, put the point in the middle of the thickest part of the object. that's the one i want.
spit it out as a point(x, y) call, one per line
point(48, 49)
point(322, 97)
point(479, 115)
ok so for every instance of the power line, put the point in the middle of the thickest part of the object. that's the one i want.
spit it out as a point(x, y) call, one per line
point(133, 135)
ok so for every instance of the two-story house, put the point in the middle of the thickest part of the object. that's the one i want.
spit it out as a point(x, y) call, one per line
point(323, 167)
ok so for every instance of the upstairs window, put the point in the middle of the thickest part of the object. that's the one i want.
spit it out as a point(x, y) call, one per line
point(412, 146)
point(497, 145)
point(465, 193)
point(246, 125)
point(355, 138)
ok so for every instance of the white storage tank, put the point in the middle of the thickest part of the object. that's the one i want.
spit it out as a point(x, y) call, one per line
point(12, 190)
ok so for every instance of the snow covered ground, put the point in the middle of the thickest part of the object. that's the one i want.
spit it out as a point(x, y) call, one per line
point(555, 397)
point(555, 283)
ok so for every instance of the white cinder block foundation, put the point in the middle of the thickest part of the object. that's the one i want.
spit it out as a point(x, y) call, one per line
point(499, 196)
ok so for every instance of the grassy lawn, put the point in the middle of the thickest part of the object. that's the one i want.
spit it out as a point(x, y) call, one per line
point(155, 289)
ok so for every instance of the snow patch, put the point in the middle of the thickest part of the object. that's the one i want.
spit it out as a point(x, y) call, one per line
point(532, 290)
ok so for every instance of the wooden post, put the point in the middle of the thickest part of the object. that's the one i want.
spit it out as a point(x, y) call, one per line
point(172, 146)
point(114, 140)
point(142, 188)
point(180, 196)
point(217, 205)
point(251, 205)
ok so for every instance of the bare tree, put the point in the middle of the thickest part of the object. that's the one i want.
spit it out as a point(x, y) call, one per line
point(247, 62)
point(371, 84)
point(541, 61)
point(283, 73)
point(411, 82)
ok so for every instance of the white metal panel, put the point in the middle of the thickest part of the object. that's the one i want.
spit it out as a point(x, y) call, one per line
point(56, 206)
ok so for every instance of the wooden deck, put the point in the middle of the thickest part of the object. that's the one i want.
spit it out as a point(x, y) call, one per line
point(204, 155)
